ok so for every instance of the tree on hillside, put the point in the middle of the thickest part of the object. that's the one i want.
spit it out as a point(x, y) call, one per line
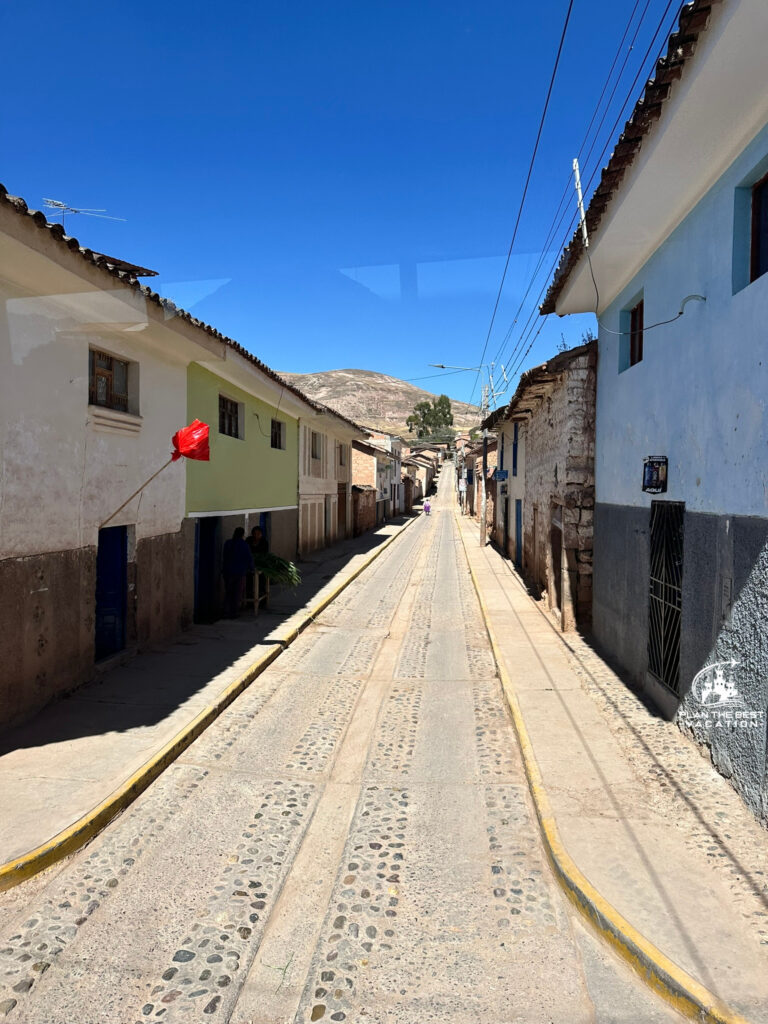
point(432, 419)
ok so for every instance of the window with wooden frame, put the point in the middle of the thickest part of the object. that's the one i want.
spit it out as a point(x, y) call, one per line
point(636, 333)
point(107, 381)
point(316, 445)
point(759, 248)
point(342, 455)
point(229, 417)
point(278, 434)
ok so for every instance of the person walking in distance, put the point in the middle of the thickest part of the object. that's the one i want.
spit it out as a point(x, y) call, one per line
point(427, 507)
point(236, 563)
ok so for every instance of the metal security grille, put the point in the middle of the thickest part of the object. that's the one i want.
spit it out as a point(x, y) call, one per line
point(666, 592)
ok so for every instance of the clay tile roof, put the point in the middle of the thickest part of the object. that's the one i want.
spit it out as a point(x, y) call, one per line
point(535, 384)
point(693, 20)
point(129, 273)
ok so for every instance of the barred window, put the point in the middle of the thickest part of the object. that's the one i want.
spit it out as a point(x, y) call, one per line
point(278, 434)
point(636, 334)
point(107, 381)
point(229, 417)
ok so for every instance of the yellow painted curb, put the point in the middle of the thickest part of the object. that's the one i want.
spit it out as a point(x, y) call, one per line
point(75, 836)
point(671, 982)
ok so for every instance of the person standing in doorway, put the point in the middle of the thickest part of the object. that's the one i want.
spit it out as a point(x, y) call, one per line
point(236, 563)
point(257, 542)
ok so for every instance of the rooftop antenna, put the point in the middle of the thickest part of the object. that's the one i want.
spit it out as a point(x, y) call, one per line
point(64, 208)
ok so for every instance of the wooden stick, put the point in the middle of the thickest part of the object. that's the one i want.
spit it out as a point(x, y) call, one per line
point(138, 491)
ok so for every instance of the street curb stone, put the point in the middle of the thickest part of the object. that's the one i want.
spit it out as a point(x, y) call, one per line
point(672, 983)
point(75, 836)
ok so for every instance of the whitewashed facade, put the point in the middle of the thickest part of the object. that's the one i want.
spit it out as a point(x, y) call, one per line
point(70, 330)
point(325, 479)
point(681, 570)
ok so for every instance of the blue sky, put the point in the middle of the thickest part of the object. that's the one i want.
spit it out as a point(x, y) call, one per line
point(331, 184)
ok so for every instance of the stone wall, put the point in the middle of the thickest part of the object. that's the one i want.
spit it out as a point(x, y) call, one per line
point(559, 488)
point(164, 585)
point(363, 468)
point(363, 509)
point(46, 628)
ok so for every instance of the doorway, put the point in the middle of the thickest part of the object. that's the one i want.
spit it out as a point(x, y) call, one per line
point(341, 511)
point(556, 549)
point(666, 592)
point(207, 548)
point(518, 533)
point(111, 591)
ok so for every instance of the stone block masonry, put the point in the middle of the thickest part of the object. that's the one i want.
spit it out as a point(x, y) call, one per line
point(363, 509)
point(560, 491)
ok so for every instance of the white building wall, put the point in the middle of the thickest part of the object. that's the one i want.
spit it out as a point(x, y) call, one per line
point(319, 481)
point(699, 394)
point(67, 466)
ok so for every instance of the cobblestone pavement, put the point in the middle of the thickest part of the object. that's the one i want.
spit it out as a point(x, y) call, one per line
point(351, 841)
point(680, 784)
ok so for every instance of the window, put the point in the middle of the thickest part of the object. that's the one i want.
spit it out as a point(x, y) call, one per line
point(278, 434)
point(759, 250)
point(229, 417)
point(514, 450)
point(107, 381)
point(342, 455)
point(636, 333)
point(316, 445)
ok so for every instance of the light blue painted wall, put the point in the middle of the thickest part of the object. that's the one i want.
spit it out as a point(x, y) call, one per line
point(699, 395)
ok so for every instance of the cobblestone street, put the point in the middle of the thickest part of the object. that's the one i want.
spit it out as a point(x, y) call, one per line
point(352, 840)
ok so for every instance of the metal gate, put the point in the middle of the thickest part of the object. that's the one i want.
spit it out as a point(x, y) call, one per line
point(666, 592)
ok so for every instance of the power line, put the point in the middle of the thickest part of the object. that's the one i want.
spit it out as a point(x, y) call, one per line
point(525, 189)
point(431, 376)
point(558, 217)
point(610, 137)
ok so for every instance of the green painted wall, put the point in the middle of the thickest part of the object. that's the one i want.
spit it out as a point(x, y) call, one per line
point(242, 473)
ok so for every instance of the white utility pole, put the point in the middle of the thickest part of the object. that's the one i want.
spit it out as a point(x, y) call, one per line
point(484, 503)
point(582, 218)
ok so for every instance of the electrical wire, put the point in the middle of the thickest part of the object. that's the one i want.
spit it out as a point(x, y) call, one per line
point(555, 226)
point(525, 189)
point(630, 93)
point(558, 217)
point(432, 376)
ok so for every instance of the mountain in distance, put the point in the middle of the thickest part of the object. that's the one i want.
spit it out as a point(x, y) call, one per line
point(375, 399)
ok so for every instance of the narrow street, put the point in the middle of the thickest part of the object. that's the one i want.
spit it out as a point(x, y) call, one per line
point(352, 840)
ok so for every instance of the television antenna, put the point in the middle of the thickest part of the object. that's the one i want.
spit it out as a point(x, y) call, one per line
point(57, 206)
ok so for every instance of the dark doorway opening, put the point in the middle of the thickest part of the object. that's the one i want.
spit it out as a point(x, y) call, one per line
point(556, 542)
point(518, 533)
point(341, 502)
point(111, 591)
point(207, 557)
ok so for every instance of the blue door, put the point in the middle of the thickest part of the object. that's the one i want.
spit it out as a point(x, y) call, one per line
point(518, 533)
point(111, 590)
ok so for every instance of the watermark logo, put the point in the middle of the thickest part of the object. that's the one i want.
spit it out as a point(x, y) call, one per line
point(716, 698)
point(715, 687)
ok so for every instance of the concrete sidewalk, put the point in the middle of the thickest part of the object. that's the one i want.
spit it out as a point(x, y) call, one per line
point(653, 827)
point(77, 751)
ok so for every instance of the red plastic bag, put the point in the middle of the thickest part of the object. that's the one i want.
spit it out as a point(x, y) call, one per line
point(192, 442)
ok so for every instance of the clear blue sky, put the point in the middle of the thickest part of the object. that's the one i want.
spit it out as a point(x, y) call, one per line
point(331, 184)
